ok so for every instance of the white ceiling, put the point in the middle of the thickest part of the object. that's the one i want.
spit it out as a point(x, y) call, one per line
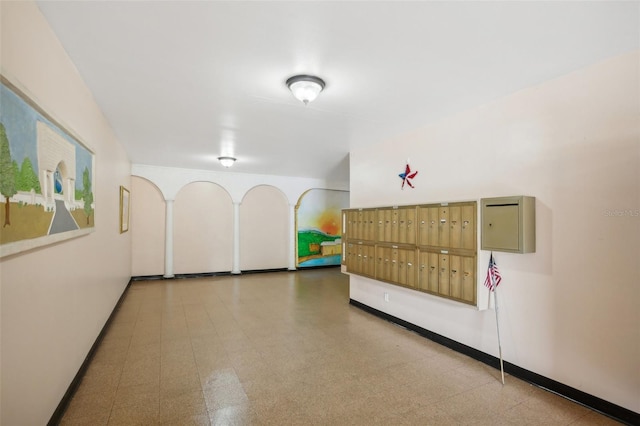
point(184, 82)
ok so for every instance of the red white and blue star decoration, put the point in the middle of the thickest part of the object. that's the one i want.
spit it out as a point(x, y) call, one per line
point(407, 176)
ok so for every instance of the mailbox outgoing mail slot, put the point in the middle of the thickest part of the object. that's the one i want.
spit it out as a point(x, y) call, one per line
point(509, 224)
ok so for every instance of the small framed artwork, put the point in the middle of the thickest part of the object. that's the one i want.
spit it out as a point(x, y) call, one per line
point(124, 209)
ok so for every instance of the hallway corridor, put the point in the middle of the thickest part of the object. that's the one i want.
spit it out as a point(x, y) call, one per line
point(286, 348)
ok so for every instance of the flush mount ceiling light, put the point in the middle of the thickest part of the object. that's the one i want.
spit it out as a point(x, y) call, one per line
point(305, 88)
point(226, 161)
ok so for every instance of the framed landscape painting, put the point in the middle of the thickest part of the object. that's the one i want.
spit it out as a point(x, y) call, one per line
point(124, 209)
point(46, 177)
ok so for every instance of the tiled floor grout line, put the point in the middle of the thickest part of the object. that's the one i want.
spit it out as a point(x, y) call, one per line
point(123, 364)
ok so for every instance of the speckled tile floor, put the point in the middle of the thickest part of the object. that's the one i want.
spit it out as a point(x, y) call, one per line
point(286, 348)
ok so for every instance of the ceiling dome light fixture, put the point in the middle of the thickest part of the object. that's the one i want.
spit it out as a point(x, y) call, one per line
point(305, 88)
point(227, 161)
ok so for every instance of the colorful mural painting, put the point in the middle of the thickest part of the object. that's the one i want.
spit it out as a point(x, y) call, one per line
point(46, 177)
point(319, 222)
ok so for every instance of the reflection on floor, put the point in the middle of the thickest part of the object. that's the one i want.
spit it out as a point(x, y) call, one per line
point(286, 348)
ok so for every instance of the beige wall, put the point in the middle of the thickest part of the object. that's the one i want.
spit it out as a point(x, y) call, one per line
point(570, 310)
point(56, 299)
point(202, 229)
point(147, 228)
point(273, 196)
point(264, 229)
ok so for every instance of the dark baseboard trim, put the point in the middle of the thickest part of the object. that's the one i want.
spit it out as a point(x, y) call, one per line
point(606, 408)
point(147, 278)
point(179, 276)
point(57, 415)
point(302, 268)
point(226, 273)
point(263, 271)
point(199, 275)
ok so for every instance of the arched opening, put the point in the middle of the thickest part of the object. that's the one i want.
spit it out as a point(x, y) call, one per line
point(319, 227)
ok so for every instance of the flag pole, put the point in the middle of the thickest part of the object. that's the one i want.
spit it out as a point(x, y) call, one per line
point(495, 302)
point(491, 282)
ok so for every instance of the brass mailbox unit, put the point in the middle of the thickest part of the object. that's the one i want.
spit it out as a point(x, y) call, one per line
point(429, 248)
point(509, 224)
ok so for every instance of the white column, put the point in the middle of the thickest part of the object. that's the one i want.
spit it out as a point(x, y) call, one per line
point(70, 192)
point(168, 240)
point(292, 237)
point(236, 239)
point(50, 188)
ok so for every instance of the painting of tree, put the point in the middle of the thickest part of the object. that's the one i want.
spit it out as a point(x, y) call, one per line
point(87, 195)
point(26, 178)
point(7, 174)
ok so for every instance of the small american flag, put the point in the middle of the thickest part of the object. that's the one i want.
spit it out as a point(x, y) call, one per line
point(493, 275)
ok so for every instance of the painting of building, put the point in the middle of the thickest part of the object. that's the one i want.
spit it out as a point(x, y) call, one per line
point(46, 177)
